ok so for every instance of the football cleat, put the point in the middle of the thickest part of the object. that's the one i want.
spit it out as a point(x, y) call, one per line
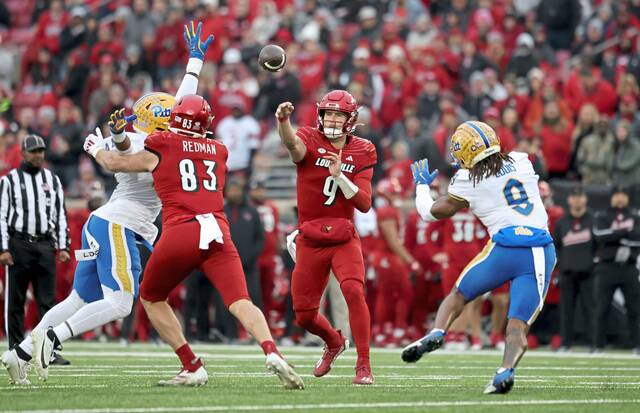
point(43, 347)
point(16, 367)
point(502, 382)
point(414, 351)
point(58, 360)
point(363, 376)
point(323, 366)
point(288, 377)
point(187, 378)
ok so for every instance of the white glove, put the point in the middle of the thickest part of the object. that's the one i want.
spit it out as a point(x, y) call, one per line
point(291, 244)
point(94, 143)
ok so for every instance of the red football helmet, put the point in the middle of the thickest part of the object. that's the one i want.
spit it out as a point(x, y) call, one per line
point(389, 187)
point(190, 115)
point(340, 101)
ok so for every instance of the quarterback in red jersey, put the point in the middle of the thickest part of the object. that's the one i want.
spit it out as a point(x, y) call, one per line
point(188, 175)
point(334, 170)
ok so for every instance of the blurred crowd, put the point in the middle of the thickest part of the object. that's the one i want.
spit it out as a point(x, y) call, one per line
point(558, 79)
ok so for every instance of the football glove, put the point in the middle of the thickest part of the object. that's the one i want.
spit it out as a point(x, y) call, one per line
point(118, 121)
point(197, 49)
point(421, 174)
point(94, 143)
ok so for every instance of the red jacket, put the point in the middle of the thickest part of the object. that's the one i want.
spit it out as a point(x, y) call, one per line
point(556, 147)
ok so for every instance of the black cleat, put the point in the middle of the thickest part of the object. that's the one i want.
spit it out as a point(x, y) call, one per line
point(414, 351)
point(58, 360)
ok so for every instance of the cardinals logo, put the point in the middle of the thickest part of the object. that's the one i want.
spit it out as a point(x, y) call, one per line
point(326, 229)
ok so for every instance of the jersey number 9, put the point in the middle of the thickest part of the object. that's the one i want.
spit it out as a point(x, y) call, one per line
point(517, 197)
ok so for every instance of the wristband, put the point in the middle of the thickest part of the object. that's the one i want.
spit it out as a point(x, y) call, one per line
point(348, 188)
point(194, 66)
point(118, 137)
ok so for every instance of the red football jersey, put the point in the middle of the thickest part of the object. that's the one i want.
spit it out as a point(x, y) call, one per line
point(318, 193)
point(189, 177)
point(463, 238)
point(270, 221)
point(384, 213)
point(423, 239)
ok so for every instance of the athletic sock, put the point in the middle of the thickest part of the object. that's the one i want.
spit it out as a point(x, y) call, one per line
point(268, 346)
point(21, 353)
point(63, 332)
point(189, 360)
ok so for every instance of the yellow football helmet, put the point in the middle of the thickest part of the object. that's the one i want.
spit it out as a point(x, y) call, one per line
point(152, 112)
point(472, 142)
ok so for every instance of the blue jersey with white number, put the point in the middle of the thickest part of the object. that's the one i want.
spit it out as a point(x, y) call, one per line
point(508, 204)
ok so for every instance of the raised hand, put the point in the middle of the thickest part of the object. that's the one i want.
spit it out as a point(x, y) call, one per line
point(335, 163)
point(284, 110)
point(197, 48)
point(93, 143)
point(421, 174)
point(118, 121)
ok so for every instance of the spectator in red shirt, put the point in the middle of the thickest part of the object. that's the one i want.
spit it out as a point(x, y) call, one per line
point(590, 88)
point(50, 25)
point(170, 46)
point(555, 133)
point(311, 61)
point(492, 117)
point(106, 45)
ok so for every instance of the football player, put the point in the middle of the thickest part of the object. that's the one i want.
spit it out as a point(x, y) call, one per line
point(189, 172)
point(334, 169)
point(392, 266)
point(108, 271)
point(501, 189)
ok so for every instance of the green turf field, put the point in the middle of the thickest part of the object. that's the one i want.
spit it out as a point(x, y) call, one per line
point(108, 378)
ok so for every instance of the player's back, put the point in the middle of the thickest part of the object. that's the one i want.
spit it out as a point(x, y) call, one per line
point(510, 199)
point(318, 193)
point(189, 177)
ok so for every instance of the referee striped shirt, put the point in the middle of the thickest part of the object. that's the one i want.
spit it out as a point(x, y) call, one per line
point(33, 204)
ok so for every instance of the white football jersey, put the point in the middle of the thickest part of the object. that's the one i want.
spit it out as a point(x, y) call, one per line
point(509, 199)
point(134, 203)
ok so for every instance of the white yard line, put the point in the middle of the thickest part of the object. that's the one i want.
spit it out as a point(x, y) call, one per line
point(325, 406)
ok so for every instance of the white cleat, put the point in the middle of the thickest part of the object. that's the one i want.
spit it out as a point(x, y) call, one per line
point(42, 352)
point(16, 367)
point(187, 378)
point(287, 375)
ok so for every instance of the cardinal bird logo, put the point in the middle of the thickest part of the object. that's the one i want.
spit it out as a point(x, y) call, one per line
point(326, 228)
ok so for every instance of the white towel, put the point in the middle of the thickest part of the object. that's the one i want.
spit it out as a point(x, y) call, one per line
point(209, 230)
point(291, 244)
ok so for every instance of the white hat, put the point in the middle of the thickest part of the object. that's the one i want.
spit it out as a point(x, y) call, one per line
point(367, 12)
point(231, 56)
point(525, 39)
point(361, 53)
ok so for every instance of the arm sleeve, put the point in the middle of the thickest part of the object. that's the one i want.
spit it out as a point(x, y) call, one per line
point(189, 85)
point(306, 136)
point(154, 143)
point(61, 228)
point(5, 199)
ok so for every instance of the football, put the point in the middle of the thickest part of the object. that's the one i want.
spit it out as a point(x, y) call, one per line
point(272, 58)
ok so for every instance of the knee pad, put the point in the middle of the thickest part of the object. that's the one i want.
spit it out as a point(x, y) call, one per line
point(352, 290)
point(305, 318)
point(121, 301)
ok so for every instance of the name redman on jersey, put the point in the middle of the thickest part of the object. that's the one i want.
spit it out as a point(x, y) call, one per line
point(324, 163)
point(193, 146)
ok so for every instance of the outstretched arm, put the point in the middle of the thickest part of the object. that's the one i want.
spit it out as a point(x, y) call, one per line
point(143, 161)
point(197, 50)
point(431, 210)
point(294, 144)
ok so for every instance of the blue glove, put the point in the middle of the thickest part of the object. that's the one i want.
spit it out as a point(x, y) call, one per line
point(421, 175)
point(118, 121)
point(197, 49)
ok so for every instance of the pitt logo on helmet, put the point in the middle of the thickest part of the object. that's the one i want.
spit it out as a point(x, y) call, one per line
point(472, 142)
point(152, 112)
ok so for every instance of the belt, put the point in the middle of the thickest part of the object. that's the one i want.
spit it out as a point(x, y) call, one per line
point(31, 238)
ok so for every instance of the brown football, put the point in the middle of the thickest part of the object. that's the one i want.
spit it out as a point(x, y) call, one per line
point(272, 58)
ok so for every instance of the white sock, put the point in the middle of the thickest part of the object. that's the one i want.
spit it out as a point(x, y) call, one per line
point(114, 305)
point(58, 314)
point(436, 330)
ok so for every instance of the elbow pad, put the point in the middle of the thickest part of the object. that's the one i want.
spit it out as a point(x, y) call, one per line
point(424, 202)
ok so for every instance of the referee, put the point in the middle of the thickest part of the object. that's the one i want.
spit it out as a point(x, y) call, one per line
point(33, 225)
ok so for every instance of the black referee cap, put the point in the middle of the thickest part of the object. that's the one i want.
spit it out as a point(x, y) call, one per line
point(32, 143)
